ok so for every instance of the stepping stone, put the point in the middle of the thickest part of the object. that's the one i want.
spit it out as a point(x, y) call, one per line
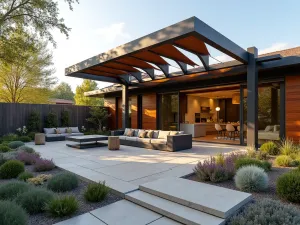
point(125, 213)
point(173, 210)
point(83, 219)
point(214, 200)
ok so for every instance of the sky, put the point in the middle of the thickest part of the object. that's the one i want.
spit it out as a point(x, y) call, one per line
point(100, 25)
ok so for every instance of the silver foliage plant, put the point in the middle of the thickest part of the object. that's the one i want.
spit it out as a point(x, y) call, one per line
point(267, 212)
point(251, 178)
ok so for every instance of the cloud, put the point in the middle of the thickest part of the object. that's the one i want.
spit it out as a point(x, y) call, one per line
point(112, 32)
point(275, 47)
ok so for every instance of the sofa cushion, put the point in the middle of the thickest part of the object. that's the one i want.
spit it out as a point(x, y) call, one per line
point(130, 133)
point(122, 137)
point(131, 138)
point(158, 141)
point(163, 134)
point(49, 130)
point(149, 134)
point(53, 135)
point(75, 130)
point(126, 131)
point(276, 128)
point(135, 133)
point(173, 133)
point(269, 128)
point(62, 129)
point(142, 134)
point(144, 140)
point(180, 132)
point(155, 134)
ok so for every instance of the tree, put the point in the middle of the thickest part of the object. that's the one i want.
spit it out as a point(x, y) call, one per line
point(34, 17)
point(65, 119)
point(51, 120)
point(80, 99)
point(63, 91)
point(99, 115)
point(29, 78)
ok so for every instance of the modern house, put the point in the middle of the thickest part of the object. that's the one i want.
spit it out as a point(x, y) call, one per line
point(257, 95)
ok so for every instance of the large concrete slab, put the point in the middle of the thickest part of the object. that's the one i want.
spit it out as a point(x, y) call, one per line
point(214, 200)
point(84, 219)
point(173, 210)
point(124, 170)
point(125, 213)
point(165, 221)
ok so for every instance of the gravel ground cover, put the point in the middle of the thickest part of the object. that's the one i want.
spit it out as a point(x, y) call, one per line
point(84, 206)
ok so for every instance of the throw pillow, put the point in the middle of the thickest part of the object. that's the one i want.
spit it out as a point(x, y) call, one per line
point(269, 128)
point(173, 133)
point(130, 133)
point(149, 134)
point(126, 131)
point(69, 130)
point(57, 131)
point(163, 134)
point(142, 134)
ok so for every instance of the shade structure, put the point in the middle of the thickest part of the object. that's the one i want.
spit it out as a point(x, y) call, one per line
point(131, 63)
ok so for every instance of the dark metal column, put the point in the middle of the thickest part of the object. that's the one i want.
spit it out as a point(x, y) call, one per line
point(125, 107)
point(242, 115)
point(252, 98)
point(282, 110)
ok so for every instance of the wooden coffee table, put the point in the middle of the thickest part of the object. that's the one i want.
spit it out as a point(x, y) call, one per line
point(87, 141)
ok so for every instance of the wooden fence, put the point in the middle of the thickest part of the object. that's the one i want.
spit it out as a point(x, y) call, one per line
point(15, 115)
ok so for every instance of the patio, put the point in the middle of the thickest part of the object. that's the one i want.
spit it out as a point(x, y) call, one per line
point(126, 169)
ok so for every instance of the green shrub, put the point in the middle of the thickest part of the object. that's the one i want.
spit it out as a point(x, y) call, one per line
point(11, 169)
point(96, 192)
point(35, 200)
point(251, 178)
point(9, 137)
point(62, 206)
point(283, 160)
point(4, 148)
point(287, 147)
point(267, 212)
point(65, 119)
point(11, 190)
point(24, 176)
point(270, 148)
point(51, 120)
point(34, 121)
point(15, 144)
point(31, 135)
point(288, 186)
point(261, 155)
point(27, 149)
point(220, 159)
point(63, 182)
point(2, 159)
point(25, 139)
point(12, 214)
point(249, 161)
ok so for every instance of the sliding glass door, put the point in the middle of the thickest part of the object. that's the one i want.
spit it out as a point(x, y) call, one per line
point(168, 111)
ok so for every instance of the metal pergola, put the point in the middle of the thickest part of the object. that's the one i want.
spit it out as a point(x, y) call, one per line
point(132, 64)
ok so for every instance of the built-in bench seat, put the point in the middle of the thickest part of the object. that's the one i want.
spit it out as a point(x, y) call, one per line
point(161, 140)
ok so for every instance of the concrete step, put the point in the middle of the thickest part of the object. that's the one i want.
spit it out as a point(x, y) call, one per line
point(173, 210)
point(214, 200)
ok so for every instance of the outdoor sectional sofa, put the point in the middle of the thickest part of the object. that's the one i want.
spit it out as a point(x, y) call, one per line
point(161, 140)
point(52, 135)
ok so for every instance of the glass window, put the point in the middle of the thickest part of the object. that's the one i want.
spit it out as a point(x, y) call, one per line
point(168, 116)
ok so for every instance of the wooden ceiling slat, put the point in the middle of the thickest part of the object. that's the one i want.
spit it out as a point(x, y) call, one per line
point(173, 53)
point(135, 62)
point(109, 70)
point(150, 57)
point(192, 44)
point(120, 67)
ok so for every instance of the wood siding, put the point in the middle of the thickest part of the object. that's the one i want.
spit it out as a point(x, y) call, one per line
point(134, 112)
point(119, 113)
point(149, 111)
point(15, 115)
point(110, 103)
point(292, 104)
